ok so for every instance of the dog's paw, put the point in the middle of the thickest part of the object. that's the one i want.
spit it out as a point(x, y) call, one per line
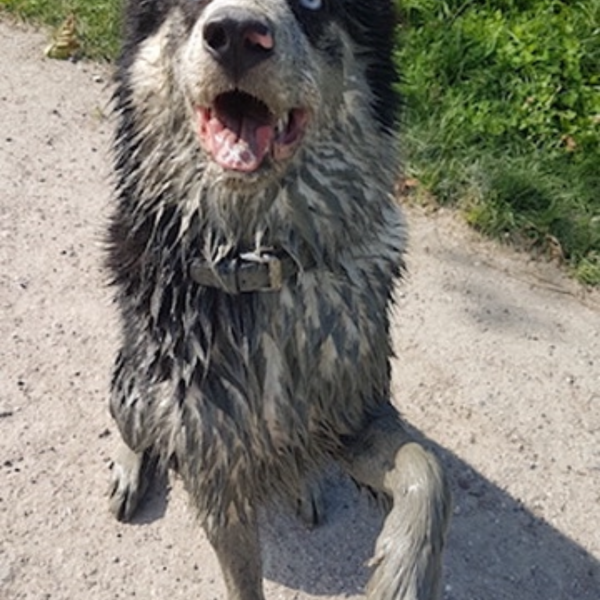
point(131, 474)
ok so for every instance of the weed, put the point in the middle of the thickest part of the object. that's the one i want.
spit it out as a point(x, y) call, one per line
point(98, 22)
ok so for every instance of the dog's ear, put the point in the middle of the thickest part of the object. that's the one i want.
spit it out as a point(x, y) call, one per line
point(372, 25)
point(141, 18)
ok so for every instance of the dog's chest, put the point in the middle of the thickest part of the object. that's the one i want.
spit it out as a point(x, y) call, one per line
point(290, 364)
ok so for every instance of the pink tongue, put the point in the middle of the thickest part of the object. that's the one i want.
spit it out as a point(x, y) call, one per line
point(240, 145)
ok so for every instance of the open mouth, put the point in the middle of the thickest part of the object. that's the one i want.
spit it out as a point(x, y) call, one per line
point(239, 131)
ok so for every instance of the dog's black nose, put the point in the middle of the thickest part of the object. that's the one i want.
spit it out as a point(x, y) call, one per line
point(238, 40)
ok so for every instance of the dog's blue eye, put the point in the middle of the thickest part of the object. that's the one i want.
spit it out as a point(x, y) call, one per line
point(312, 4)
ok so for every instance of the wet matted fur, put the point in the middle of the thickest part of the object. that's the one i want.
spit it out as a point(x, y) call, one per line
point(254, 246)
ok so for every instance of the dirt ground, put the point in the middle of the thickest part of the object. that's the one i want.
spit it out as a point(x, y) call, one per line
point(498, 365)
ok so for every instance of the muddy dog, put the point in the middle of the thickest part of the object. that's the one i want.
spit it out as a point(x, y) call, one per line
point(254, 246)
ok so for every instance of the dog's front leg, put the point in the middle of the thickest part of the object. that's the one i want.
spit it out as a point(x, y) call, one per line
point(408, 553)
point(237, 547)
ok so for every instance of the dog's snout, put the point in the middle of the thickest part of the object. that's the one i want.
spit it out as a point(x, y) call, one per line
point(238, 40)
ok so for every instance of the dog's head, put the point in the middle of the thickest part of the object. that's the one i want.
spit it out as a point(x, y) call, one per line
point(258, 80)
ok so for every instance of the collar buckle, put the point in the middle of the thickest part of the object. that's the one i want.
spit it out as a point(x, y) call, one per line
point(274, 269)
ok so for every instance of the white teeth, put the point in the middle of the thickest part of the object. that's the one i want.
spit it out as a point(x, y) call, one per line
point(282, 124)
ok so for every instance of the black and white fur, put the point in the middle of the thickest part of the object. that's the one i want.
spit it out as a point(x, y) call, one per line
point(250, 394)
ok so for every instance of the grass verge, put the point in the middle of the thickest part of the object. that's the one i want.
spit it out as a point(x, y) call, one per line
point(503, 118)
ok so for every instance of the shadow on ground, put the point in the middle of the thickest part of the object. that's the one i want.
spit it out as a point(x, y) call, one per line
point(498, 549)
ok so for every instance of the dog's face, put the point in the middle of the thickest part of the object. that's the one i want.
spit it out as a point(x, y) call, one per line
point(259, 79)
point(254, 82)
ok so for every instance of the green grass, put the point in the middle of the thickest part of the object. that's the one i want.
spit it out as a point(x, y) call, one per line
point(98, 21)
point(502, 111)
point(503, 118)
